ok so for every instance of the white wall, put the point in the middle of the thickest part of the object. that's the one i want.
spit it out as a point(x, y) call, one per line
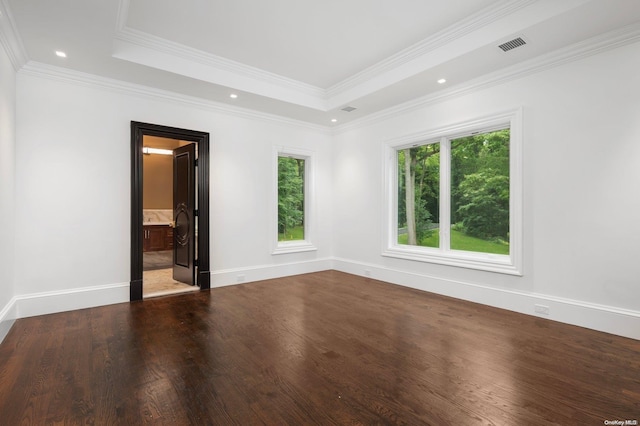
point(73, 191)
point(581, 155)
point(7, 190)
point(581, 198)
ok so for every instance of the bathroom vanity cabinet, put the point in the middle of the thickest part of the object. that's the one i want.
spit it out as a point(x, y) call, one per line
point(157, 238)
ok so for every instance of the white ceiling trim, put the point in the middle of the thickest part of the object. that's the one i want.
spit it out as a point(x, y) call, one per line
point(133, 45)
point(143, 48)
point(147, 40)
point(481, 32)
point(621, 37)
point(461, 28)
point(493, 23)
point(65, 75)
point(604, 42)
point(123, 14)
point(10, 38)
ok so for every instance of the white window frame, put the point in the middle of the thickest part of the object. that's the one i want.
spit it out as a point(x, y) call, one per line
point(284, 247)
point(444, 255)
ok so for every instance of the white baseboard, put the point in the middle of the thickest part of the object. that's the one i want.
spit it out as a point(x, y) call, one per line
point(608, 319)
point(29, 305)
point(224, 277)
point(8, 316)
point(597, 317)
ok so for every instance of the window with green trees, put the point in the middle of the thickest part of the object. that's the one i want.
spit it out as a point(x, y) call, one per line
point(479, 193)
point(291, 177)
point(455, 195)
point(293, 200)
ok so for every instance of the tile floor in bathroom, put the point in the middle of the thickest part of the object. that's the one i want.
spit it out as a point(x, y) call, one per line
point(159, 282)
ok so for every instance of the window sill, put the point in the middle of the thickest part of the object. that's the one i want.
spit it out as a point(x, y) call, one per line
point(293, 247)
point(484, 262)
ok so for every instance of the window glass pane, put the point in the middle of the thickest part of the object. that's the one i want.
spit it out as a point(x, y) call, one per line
point(419, 195)
point(480, 193)
point(290, 199)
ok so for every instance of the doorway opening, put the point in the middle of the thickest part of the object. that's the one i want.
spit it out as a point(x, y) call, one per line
point(160, 276)
point(169, 210)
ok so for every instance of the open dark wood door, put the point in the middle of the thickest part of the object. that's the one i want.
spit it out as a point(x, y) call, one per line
point(184, 214)
point(202, 192)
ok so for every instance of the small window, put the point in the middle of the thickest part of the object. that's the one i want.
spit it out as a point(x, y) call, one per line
point(291, 198)
point(454, 196)
point(294, 195)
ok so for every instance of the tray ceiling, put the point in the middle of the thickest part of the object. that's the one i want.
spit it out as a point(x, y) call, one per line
point(303, 59)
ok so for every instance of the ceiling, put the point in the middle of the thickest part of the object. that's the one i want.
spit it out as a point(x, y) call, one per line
point(304, 59)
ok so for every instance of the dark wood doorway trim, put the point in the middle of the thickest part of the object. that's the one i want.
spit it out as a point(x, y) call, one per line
point(138, 130)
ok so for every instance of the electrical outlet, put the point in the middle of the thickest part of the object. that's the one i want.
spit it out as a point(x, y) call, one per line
point(541, 309)
point(240, 278)
point(367, 273)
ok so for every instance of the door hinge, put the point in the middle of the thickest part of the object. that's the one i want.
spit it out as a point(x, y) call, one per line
point(195, 212)
point(195, 262)
point(196, 162)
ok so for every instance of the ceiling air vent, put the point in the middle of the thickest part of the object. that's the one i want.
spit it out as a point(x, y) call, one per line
point(512, 44)
point(348, 109)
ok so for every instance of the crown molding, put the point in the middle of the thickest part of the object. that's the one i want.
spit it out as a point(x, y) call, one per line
point(621, 37)
point(148, 50)
point(139, 46)
point(142, 39)
point(123, 14)
point(65, 75)
point(130, 35)
point(10, 38)
point(424, 47)
point(604, 42)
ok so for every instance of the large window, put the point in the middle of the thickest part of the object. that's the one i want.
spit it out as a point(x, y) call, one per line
point(294, 194)
point(454, 195)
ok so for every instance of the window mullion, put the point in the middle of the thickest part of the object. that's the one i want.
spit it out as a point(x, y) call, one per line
point(445, 194)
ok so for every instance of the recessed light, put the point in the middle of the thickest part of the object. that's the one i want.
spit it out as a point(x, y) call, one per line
point(334, 120)
point(233, 96)
point(442, 81)
point(61, 54)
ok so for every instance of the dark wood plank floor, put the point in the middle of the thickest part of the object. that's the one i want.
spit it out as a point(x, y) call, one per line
point(324, 348)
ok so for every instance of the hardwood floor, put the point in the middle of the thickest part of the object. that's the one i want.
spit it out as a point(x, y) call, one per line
point(325, 348)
